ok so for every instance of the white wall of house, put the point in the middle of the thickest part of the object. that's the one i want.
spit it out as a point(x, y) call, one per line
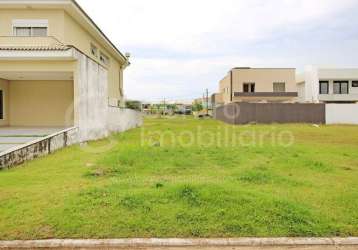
point(342, 113)
point(309, 82)
point(301, 91)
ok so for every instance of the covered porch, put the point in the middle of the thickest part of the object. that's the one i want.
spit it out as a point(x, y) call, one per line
point(36, 99)
point(34, 105)
point(36, 83)
point(44, 83)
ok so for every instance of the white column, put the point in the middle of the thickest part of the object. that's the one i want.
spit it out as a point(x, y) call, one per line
point(311, 84)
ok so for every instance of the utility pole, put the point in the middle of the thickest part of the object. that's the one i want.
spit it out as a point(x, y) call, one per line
point(207, 102)
point(165, 108)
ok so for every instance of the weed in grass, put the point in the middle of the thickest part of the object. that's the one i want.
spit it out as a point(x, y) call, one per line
point(239, 228)
point(159, 185)
point(256, 177)
point(320, 166)
point(131, 202)
point(102, 172)
point(264, 177)
point(298, 220)
point(190, 195)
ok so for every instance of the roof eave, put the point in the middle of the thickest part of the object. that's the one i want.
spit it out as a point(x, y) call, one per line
point(124, 58)
point(72, 3)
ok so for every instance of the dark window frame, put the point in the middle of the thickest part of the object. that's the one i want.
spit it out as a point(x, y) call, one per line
point(340, 87)
point(279, 83)
point(1, 104)
point(355, 84)
point(250, 87)
point(94, 50)
point(320, 87)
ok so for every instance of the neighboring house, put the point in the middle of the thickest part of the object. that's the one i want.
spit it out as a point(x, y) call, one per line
point(217, 100)
point(57, 68)
point(328, 85)
point(258, 85)
point(204, 101)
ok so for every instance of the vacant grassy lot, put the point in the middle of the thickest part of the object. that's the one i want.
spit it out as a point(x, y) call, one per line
point(197, 178)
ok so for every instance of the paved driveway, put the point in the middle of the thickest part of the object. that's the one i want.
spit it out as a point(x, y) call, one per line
point(11, 137)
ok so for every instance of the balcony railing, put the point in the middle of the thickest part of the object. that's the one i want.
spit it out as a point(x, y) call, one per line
point(338, 97)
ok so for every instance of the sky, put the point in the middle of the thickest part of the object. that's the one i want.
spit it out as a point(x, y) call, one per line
point(179, 48)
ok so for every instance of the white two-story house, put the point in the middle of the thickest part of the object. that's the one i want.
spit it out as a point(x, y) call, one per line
point(324, 85)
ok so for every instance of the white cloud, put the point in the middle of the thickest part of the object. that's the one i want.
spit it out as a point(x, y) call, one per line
point(217, 33)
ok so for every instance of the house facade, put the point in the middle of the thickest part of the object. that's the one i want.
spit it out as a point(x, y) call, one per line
point(324, 85)
point(217, 100)
point(258, 85)
point(57, 68)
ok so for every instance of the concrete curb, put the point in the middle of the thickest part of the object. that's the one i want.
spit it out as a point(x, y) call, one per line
point(133, 243)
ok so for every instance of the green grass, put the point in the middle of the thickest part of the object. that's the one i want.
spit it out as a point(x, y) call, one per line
point(245, 181)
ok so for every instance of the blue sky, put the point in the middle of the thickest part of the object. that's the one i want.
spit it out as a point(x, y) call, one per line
point(181, 47)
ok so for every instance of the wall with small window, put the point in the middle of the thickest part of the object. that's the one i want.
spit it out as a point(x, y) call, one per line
point(266, 80)
point(338, 87)
point(279, 87)
point(25, 22)
point(79, 37)
point(224, 87)
point(30, 27)
point(248, 87)
point(58, 24)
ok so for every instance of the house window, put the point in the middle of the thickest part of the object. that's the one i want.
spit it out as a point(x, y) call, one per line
point(22, 31)
point(324, 87)
point(1, 105)
point(35, 28)
point(355, 84)
point(340, 87)
point(30, 31)
point(94, 50)
point(249, 87)
point(279, 87)
point(104, 59)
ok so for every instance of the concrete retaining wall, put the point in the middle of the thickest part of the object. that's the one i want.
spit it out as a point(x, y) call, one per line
point(120, 120)
point(342, 113)
point(39, 148)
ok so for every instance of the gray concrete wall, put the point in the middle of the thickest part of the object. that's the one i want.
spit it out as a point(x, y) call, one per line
point(39, 148)
point(244, 113)
point(120, 119)
point(93, 115)
point(91, 98)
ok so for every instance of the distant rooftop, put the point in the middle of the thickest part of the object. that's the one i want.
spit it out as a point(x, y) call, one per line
point(260, 68)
